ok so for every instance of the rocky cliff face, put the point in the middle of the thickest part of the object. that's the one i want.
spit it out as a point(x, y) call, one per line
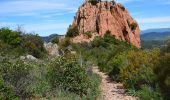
point(103, 16)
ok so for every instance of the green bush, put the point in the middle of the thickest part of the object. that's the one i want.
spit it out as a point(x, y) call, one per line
point(116, 63)
point(138, 63)
point(68, 75)
point(134, 26)
point(55, 40)
point(148, 93)
point(88, 34)
point(33, 45)
point(163, 76)
point(6, 92)
point(16, 43)
point(72, 32)
point(16, 74)
point(10, 37)
point(94, 2)
point(167, 48)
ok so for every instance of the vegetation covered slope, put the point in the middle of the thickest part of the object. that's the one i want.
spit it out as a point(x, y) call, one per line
point(139, 70)
point(144, 73)
point(45, 78)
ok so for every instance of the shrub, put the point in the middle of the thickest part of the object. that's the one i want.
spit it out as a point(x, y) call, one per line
point(123, 8)
point(72, 32)
point(10, 37)
point(116, 63)
point(16, 74)
point(167, 41)
point(6, 92)
point(34, 45)
point(138, 64)
point(163, 76)
point(88, 34)
point(55, 40)
point(94, 2)
point(148, 93)
point(65, 42)
point(134, 26)
point(129, 24)
point(68, 75)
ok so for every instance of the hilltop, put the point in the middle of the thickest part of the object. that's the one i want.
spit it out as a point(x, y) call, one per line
point(95, 18)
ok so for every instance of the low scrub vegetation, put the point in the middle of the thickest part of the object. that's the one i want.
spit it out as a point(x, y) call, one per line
point(72, 32)
point(88, 34)
point(17, 43)
point(55, 78)
point(143, 72)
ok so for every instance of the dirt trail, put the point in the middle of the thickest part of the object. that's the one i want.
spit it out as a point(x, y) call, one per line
point(111, 90)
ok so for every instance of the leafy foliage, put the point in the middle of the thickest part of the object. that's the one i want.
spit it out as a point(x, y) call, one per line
point(69, 76)
point(134, 26)
point(16, 43)
point(147, 93)
point(88, 34)
point(138, 64)
point(15, 73)
point(162, 71)
point(55, 40)
point(34, 45)
point(72, 32)
point(10, 37)
point(94, 2)
point(6, 92)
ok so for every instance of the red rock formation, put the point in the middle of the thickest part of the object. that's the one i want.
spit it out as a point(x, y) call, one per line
point(105, 16)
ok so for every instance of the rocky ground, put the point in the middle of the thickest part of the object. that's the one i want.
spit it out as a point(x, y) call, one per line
point(111, 90)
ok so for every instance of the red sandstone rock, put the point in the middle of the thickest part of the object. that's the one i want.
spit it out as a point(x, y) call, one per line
point(105, 16)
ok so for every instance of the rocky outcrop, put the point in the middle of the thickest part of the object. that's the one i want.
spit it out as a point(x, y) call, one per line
point(103, 16)
point(28, 57)
point(52, 49)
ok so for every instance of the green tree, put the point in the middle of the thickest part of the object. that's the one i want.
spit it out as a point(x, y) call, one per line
point(34, 45)
point(162, 71)
point(10, 37)
point(55, 40)
point(72, 32)
point(69, 75)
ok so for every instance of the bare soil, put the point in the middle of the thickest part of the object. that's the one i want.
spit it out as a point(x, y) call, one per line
point(111, 90)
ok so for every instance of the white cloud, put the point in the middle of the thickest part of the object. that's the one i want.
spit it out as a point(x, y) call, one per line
point(39, 28)
point(154, 19)
point(46, 26)
point(33, 7)
point(125, 1)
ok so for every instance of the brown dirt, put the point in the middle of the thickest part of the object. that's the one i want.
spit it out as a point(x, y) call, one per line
point(111, 90)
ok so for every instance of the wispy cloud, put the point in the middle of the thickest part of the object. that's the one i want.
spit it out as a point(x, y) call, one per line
point(30, 7)
point(40, 28)
point(166, 2)
point(154, 19)
point(126, 1)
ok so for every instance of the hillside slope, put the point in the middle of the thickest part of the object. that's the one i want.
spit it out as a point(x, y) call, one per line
point(159, 36)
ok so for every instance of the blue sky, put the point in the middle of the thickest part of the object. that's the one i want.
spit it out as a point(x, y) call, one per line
point(54, 16)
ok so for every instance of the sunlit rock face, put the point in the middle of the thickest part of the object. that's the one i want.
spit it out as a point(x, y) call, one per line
point(102, 16)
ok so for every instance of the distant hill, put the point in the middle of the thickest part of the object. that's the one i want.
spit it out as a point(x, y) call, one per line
point(159, 30)
point(156, 36)
point(50, 37)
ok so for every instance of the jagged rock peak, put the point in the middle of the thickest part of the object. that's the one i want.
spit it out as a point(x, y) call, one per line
point(97, 17)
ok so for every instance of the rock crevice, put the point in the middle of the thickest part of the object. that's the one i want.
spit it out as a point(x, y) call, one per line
point(104, 16)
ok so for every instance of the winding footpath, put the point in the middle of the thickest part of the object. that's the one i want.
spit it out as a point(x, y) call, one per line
point(111, 90)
